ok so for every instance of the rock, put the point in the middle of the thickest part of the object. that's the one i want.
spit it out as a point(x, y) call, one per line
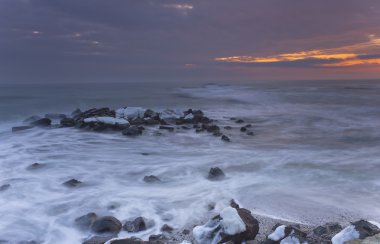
point(130, 113)
point(98, 240)
point(357, 230)
point(72, 183)
point(32, 119)
point(20, 128)
point(42, 122)
point(55, 116)
point(216, 174)
point(369, 240)
point(149, 113)
point(137, 121)
point(225, 138)
point(217, 133)
point(5, 187)
point(239, 121)
point(151, 121)
point(325, 232)
point(136, 225)
point(151, 179)
point(76, 113)
point(132, 131)
point(227, 127)
point(158, 239)
point(35, 166)
point(167, 228)
point(67, 122)
point(365, 228)
point(250, 133)
point(86, 221)
point(232, 225)
point(210, 128)
point(286, 234)
point(248, 126)
point(132, 240)
point(169, 128)
point(107, 224)
point(94, 112)
point(186, 232)
point(243, 129)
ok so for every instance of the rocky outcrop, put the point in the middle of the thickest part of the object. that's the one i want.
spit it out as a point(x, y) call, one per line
point(151, 179)
point(357, 230)
point(136, 225)
point(216, 174)
point(86, 221)
point(286, 234)
point(72, 183)
point(106, 224)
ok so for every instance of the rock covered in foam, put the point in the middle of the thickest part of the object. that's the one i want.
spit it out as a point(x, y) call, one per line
point(170, 114)
point(357, 230)
point(130, 113)
point(286, 234)
point(231, 221)
point(106, 120)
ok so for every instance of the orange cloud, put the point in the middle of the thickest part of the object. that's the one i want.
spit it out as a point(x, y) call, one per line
point(344, 56)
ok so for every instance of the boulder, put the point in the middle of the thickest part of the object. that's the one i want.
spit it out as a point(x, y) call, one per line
point(86, 221)
point(67, 122)
point(130, 113)
point(35, 166)
point(357, 230)
point(5, 187)
point(98, 239)
point(149, 113)
point(131, 240)
point(216, 174)
point(369, 240)
point(106, 224)
point(227, 127)
point(136, 225)
point(72, 183)
point(325, 232)
point(239, 121)
point(42, 122)
point(243, 129)
point(132, 131)
point(20, 128)
point(250, 133)
point(94, 112)
point(167, 228)
point(231, 225)
point(225, 138)
point(151, 179)
point(286, 234)
point(365, 228)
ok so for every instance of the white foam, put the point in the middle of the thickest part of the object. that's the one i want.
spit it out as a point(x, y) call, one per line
point(347, 234)
point(170, 114)
point(231, 222)
point(278, 233)
point(130, 112)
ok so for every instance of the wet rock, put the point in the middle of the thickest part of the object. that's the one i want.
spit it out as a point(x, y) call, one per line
point(106, 224)
point(157, 238)
point(243, 129)
point(72, 183)
point(248, 126)
point(86, 221)
point(4, 187)
point(42, 122)
point(149, 113)
point(151, 179)
point(286, 234)
point(20, 128)
point(250, 133)
point(325, 232)
point(167, 228)
point(217, 133)
point(132, 240)
point(145, 154)
point(151, 121)
point(365, 228)
point(137, 121)
point(169, 128)
point(132, 131)
point(216, 174)
point(227, 127)
point(35, 166)
point(98, 240)
point(55, 116)
point(67, 122)
point(369, 240)
point(225, 138)
point(94, 112)
point(136, 225)
point(185, 127)
point(186, 232)
point(211, 128)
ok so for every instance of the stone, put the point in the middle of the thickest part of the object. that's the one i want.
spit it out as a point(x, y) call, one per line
point(132, 240)
point(72, 183)
point(67, 122)
point(136, 225)
point(32, 119)
point(149, 113)
point(86, 221)
point(151, 179)
point(76, 113)
point(250, 133)
point(98, 240)
point(365, 228)
point(106, 224)
point(243, 129)
point(5, 187)
point(216, 174)
point(42, 122)
point(132, 131)
point(227, 127)
point(369, 240)
point(35, 166)
point(169, 128)
point(239, 121)
point(20, 128)
point(167, 228)
point(225, 138)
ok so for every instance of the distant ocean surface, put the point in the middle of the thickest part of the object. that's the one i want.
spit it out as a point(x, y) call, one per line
point(315, 156)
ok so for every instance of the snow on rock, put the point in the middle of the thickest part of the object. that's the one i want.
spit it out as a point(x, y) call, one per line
point(189, 116)
point(130, 113)
point(375, 223)
point(231, 222)
point(278, 233)
point(107, 120)
point(347, 234)
point(170, 114)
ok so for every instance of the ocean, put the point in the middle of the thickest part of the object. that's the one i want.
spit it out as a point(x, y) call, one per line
point(314, 156)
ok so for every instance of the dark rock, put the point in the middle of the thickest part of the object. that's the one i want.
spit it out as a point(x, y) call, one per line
point(107, 224)
point(211, 128)
point(157, 238)
point(186, 232)
point(32, 119)
point(136, 225)
point(101, 112)
point(243, 129)
point(67, 122)
point(233, 118)
point(4, 187)
point(365, 228)
point(185, 128)
point(19, 128)
point(76, 113)
point(42, 122)
point(292, 231)
point(132, 131)
point(216, 174)
point(248, 126)
point(328, 230)
point(227, 127)
point(250, 133)
point(137, 121)
point(252, 228)
point(151, 121)
point(217, 133)
point(149, 113)
point(72, 183)
point(145, 154)
point(169, 128)
point(225, 138)
point(167, 228)
point(151, 179)
point(234, 204)
point(86, 221)
point(55, 116)
point(35, 166)
point(239, 121)
point(98, 240)
point(100, 127)
point(132, 240)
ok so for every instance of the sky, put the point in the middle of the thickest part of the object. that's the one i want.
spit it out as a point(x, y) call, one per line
point(193, 40)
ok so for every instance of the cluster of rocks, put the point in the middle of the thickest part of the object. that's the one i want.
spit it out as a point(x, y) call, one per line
point(131, 121)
